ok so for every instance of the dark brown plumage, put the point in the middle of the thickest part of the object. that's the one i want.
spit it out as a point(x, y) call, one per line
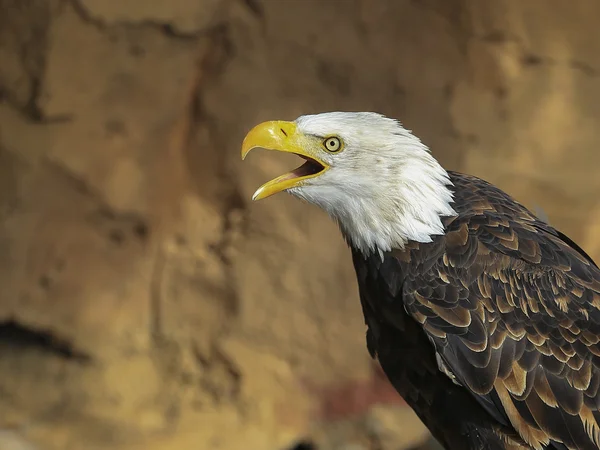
point(507, 306)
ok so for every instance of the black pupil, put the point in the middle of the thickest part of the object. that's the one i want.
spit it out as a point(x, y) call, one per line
point(331, 143)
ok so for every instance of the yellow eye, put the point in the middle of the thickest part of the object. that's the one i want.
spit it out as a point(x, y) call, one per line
point(332, 144)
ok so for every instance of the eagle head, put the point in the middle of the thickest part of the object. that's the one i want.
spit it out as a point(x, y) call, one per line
point(376, 179)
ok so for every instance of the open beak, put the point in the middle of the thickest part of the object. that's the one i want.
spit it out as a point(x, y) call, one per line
point(283, 137)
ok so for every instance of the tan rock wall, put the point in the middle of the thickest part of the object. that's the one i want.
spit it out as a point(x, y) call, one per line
point(145, 302)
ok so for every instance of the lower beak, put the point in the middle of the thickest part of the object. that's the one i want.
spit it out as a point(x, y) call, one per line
point(283, 137)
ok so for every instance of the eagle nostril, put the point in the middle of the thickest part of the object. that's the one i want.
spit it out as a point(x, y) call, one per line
point(283, 131)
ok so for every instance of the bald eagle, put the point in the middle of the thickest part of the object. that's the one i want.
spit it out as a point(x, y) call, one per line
point(484, 318)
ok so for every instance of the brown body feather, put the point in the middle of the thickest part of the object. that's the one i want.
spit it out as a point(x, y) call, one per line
point(505, 305)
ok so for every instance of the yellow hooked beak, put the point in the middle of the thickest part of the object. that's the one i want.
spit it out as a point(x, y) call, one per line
point(284, 137)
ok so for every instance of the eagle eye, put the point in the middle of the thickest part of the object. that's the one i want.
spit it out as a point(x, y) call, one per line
point(332, 144)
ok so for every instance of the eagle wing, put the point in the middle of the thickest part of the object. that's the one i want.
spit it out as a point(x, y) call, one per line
point(513, 309)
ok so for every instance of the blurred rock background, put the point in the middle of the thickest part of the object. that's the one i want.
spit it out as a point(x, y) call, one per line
point(145, 303)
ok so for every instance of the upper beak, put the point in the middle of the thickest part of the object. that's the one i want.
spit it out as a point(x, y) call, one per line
point(274, 135)
point(284, 137)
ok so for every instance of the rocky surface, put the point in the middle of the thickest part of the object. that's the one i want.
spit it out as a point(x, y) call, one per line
point(145, 303)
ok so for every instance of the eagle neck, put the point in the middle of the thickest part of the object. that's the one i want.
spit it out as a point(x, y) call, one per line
point(409, 207)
